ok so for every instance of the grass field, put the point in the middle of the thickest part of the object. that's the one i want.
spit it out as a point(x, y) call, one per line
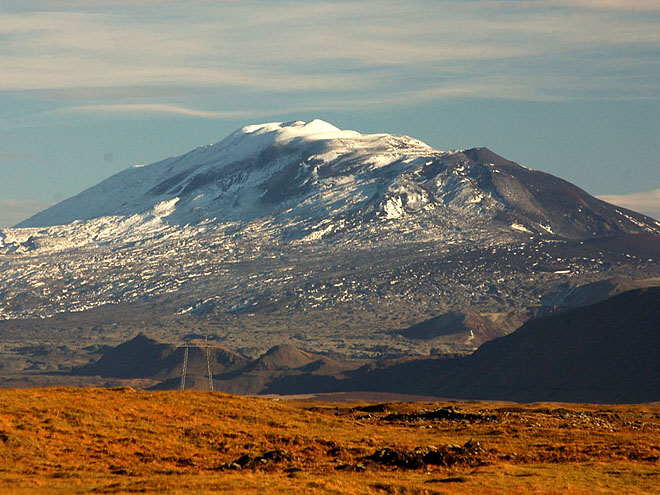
point(68, 441)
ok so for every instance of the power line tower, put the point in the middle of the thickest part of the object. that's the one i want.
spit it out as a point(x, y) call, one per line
point(184, 368)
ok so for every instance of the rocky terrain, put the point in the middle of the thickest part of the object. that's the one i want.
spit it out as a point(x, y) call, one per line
point(603, 353)
point(606, 352)
point(163, 364)
point(304, 234)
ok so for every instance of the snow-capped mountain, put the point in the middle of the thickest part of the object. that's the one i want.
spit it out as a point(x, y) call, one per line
point(323, 233)
point(315, 179)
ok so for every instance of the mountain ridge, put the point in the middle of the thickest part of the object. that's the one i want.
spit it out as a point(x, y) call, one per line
point(604, 352)
point(305, 233)
point(315, 179)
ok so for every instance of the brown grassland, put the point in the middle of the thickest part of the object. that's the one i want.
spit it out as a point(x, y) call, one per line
point(68, 441)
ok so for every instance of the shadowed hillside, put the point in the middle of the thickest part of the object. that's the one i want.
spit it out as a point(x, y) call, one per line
point(606, 352)
point(468, 324)
point(147, 357)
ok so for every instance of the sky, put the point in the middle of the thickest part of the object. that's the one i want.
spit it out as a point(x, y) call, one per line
point(89, 88)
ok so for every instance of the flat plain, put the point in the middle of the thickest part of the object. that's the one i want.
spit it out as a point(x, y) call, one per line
point(87, 440)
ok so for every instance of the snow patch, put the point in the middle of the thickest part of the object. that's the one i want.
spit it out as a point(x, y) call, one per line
point(319, 234)
point(393, 208)
point(547, 228)
point(519, 227)
point(165, 208)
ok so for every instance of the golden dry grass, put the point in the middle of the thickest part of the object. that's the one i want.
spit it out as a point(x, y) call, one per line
point(68, 441)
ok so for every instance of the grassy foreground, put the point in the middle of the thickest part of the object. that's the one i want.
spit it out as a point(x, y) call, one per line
point(68, 441)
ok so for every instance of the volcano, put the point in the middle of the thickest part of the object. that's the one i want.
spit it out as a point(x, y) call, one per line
point(330, 240)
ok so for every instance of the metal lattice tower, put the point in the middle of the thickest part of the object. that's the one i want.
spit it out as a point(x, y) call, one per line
point(184, 369)
point(208, 367)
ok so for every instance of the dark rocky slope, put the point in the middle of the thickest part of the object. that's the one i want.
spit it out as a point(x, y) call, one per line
point(147, 357)
point(606, 352)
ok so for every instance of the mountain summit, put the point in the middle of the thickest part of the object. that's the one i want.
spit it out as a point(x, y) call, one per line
point(313, 179)
point(330, 240)
point(257, 170)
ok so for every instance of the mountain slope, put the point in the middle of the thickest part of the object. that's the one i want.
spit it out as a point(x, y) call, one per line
point(313, 178)
point(598, 291)
point(602, 353)
point(469, 323)
point(606, 352)
point(147, 357)
point(306, 233)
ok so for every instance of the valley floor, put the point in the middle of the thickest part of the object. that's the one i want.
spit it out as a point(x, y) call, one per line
point(87, 440)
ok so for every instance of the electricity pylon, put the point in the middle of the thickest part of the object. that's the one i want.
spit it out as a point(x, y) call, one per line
point(184, 369)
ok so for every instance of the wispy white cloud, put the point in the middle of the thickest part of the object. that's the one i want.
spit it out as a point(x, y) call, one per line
point(110, 92)
point(77, 5)
point(617, 5)
point(643, 202)
point(62, 72)
point(13, 211)
point(151, 108)
point(74, 50)
point(479, 88)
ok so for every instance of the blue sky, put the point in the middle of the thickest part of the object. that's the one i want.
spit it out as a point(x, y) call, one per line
point(571, 87)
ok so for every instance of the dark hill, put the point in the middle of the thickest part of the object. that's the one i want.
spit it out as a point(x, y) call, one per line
point(288, 357)
point(606, 352)
point(597, 291)
point(147, 357)
point(283, 356)
point(468, 323)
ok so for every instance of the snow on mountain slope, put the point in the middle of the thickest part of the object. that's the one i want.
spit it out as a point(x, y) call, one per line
point(310, 180)
point(305, 229)
point(208, 178)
